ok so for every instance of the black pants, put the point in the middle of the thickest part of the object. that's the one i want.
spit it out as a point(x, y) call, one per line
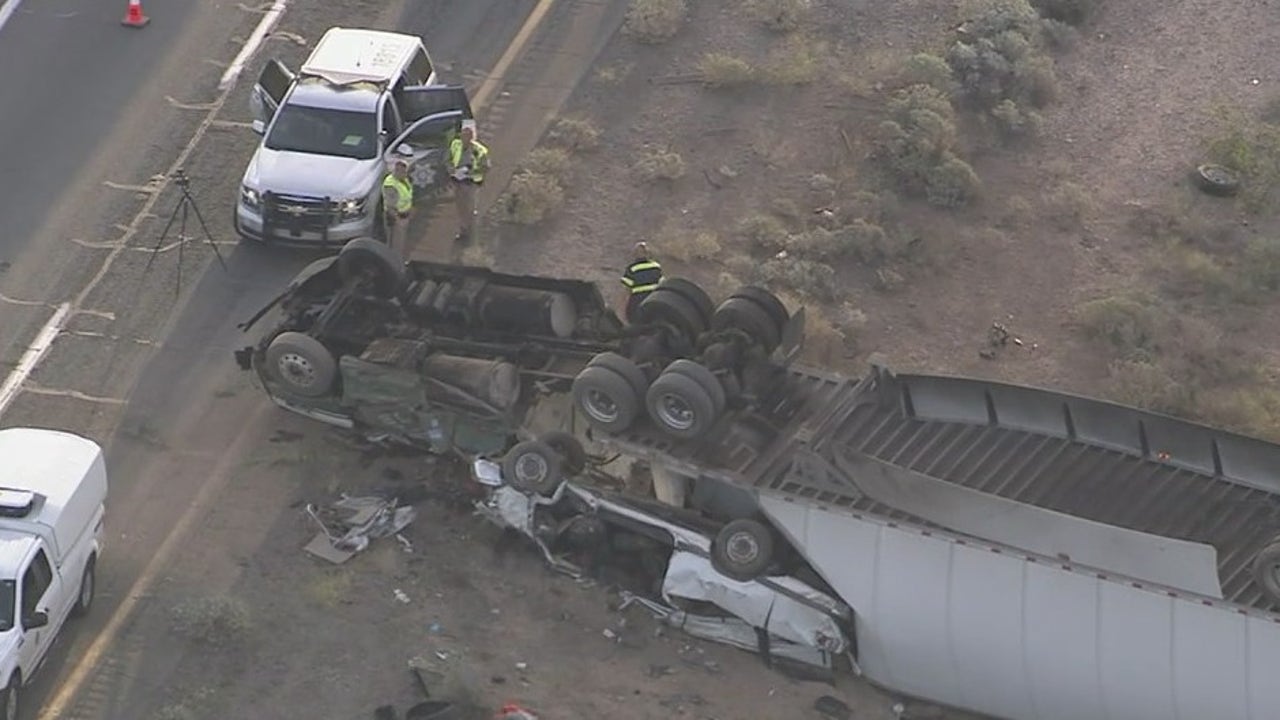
point(633, 303)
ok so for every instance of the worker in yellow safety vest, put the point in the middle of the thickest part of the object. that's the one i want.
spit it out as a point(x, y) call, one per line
point(640, 278)
point(468, 162)
point(397, 204)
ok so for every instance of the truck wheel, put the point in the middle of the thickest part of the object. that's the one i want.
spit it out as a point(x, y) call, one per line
point(1266, 570)
point(368, 258)
point(681, 406)
point(608, 399)
point(670, 308)
point(11, 693)
point(704, 377)
point(738, 313)
point(573, 457)
point(532, 467)
point(625, 367)
point(301, 363)
point(87, 589)
point(690, 291)
point(742, 550)
point(766, 300)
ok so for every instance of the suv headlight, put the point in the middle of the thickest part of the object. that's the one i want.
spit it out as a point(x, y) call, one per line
point(351, 209)
point(250, 197)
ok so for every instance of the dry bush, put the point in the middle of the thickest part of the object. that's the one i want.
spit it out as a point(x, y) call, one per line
point(916, 147)
point(1068, 205)
point(1253, 411)
point(574, 134)
point(655, 21)
point(832, 333)
point(212, 621)
point(926, 69)
point(1070, 12)
point(997, 56)
point(686, 245)
point(1014, 122)
point(763, 232)
point(1059, 35)
point(798, 61)
point(551, 161)
point(1195, 273)
point(1251, 148)
point(532, 197)
point(659, 164)
point(778, 15)
point(951, 183)
point(1196, 355)
point(1146, 384)
point(808, 277)
point(1131, 326)
point(721, 70)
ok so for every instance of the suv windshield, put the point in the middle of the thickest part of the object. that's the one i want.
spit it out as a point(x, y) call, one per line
point(8, 596)
point(322, 131)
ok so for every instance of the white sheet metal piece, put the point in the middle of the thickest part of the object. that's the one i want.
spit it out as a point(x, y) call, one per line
point(987, 629)
point(692, 577)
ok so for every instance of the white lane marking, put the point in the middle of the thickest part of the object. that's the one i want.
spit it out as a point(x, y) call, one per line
point(7, 10)
point(74, 394)
point(35, 352)
point(251, 45)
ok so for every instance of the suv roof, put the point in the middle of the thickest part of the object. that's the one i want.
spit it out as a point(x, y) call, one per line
point(344, 56)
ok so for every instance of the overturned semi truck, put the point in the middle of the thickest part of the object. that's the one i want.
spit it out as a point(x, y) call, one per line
point(1008, 550)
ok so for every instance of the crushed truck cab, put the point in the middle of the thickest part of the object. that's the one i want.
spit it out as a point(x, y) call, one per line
point(53, 491)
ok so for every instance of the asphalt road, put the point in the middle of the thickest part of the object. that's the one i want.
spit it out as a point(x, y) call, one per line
point(147, 367)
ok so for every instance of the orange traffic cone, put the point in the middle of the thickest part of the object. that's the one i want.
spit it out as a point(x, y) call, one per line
point(134, 17)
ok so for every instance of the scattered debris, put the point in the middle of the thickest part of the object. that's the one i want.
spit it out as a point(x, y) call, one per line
point(512, 711)
point(347, 526)
point(401, 596)
point(998, 338)
point(522, 666)
point(657, 671)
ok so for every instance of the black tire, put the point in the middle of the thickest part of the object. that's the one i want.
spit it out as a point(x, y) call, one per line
point(88, 588)
point(625, 367)
point(690, 291)
point(609, 401)
point(766, 300)
point(1217, 180)
point(672, 309)
point(573, 457)
point(703, 377)
point(742, 550)
point(380, 266)
point(10, 708)
point(533, 466)
point(738, 313)
point(1266, 571)
point(302, 364)
point(681, 406)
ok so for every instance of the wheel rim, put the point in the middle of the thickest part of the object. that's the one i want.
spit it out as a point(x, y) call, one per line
point(86, 590)
point(742, 548)
point(600, 406)
point(530, 468)
point(297, 369)
point(675, 412)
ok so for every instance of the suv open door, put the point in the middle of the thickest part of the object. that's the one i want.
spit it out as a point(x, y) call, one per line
point(423, 100)
point(268, 93)
point(434, 115)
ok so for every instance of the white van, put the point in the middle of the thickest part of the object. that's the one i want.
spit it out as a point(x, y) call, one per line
point(330, 130)
point(53, 491)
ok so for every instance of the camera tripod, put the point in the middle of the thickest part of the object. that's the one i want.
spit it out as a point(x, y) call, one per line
point(186, 204)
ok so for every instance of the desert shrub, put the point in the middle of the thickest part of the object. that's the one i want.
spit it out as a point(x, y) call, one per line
point(1195, 355)
point(654, 21)
point(685, 245)
point(1255, 411)
point(920, 98)
point(763, 232)
point(796, 62)
point(1015, 122)
point(532, 197)
point(1070, 12)
point(1194, 272)
point(951, 183)
point(1252, 149)
point(659, 164)
point(552, 161)
point(1067, 205)
point(1132, 326)
point(997, 56)
point(574, 134)
point(211, 620)
point(721, 70)
point(1146, 384)
point(1059, 35)
point(804, 276)
point(926, 69)
point(875, 208)
point(778, 15)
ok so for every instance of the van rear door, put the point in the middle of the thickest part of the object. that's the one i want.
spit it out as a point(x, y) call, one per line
point(268, 93)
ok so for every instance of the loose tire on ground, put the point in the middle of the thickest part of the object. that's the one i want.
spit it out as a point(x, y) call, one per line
point(690, 291)
point(668, 307)
point(1217, 180)
point(739, 313)
point(609, 401)
point(766, 300)
point(533, 466)
point(681, 406)
point(301, 363)
point(704, 377)
point(573, 457)
point(87, 589)
point(742, 550)
point(1266, 571)
point(382, 267)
